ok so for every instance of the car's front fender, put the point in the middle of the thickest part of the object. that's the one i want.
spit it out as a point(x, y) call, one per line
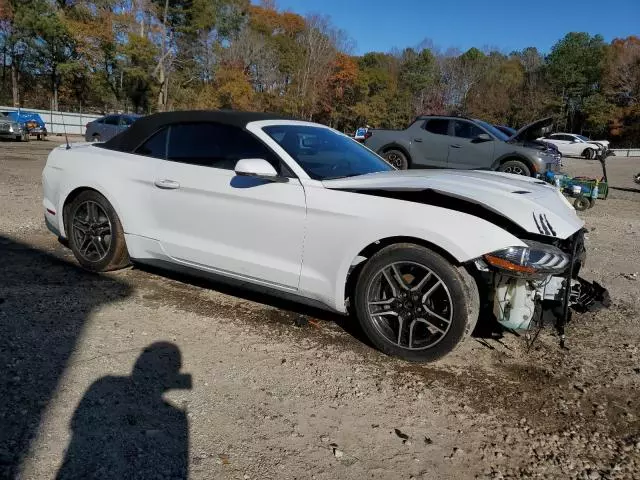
point(341, 224)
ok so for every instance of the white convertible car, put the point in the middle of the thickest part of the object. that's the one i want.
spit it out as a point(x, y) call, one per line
point(303, 211)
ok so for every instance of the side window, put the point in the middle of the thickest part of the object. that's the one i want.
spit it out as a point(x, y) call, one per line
point(464, 129)
point(156, 146)
point(215, 145)
point(439, 126)
point(112, 120)
point(126, 121)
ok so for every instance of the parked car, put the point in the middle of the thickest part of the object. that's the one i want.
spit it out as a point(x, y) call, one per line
point(105, 128)
point(305, 212)
point(13, 130)
point(31, 121)
point(455, 142)
point(511, 132)
point(574, 145)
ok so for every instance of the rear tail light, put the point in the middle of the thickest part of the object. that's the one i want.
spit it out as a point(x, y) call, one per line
point(368, 135)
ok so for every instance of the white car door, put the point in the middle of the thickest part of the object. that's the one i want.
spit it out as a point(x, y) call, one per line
point(563, 142)
point(574, 145)
point(211, 218)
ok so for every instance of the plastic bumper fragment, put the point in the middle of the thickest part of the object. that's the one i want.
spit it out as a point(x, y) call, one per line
point(589, 296)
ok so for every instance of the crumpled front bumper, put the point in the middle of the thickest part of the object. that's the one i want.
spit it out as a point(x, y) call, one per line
point(525, 304)
point(581, 295)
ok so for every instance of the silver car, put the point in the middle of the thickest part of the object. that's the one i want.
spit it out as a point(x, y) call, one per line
point(10, 129)
point(104, 128)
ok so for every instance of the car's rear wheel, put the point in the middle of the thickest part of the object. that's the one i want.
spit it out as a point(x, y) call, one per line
point(95, 233)
point(397, 158)
point(516, 167)
point(413, 303)
point(589, 153)
point(96, 137)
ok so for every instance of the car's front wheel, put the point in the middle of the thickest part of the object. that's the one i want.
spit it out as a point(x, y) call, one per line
point(95, 233)
point(413, 303)
point(589, 153)
point(516, 167)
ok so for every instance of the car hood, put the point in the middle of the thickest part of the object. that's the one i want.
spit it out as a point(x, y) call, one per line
point(532, 131)
point(531, 204)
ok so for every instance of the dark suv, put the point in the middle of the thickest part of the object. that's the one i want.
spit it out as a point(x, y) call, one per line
point(465, 143)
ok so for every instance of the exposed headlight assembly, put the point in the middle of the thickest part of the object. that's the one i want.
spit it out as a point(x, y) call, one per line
point(535, 258)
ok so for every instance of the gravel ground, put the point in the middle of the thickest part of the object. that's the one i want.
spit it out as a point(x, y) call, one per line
point(269, 389)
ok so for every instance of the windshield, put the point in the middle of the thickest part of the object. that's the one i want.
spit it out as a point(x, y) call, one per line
point(583, 138)
point(493, 130)
point(325, 154)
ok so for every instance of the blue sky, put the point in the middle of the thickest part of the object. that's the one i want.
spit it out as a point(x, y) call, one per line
point(380, 25)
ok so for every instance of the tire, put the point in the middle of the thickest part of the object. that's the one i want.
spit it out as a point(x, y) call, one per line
point(397, 158)
point(516, 167)
point(96, 138)
point(589, 153)
point(637, 178)
point(450, 311)
point(581, 203)
point(95, 233)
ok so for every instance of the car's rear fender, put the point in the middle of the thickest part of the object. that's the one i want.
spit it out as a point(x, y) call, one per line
point(395, 146)
point(66, 174)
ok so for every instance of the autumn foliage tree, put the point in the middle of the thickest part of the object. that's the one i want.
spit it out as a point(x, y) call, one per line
point(149, 55)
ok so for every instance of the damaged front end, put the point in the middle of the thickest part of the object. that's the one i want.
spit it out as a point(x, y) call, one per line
point(537, 283)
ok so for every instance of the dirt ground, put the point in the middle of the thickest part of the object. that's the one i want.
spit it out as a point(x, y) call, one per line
point(279, 391)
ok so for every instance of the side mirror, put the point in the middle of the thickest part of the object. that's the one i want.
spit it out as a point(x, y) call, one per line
point(256, 167)
point(483, 137)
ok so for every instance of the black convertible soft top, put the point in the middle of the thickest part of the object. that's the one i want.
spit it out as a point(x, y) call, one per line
point(144, 127)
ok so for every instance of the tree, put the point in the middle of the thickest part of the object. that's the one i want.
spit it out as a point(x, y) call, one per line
point(574, 69)
point(419, 78)
point(54, 44)
point(16, 38)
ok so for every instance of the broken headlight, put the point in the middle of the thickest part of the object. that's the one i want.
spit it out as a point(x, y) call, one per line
point(535, 258)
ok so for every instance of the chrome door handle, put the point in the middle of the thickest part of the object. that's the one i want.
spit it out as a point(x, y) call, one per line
point(167, 184)
point(456, 146)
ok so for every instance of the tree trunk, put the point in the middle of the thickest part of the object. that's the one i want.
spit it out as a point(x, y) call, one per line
point(162, 76)
point(54, 87)
point(14, 83)
point(4, 66)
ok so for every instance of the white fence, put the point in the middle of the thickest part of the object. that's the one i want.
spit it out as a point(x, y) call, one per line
point(57, 122)
point(626, 152)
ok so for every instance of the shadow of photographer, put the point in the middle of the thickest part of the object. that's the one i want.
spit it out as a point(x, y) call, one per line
point(124, 429)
